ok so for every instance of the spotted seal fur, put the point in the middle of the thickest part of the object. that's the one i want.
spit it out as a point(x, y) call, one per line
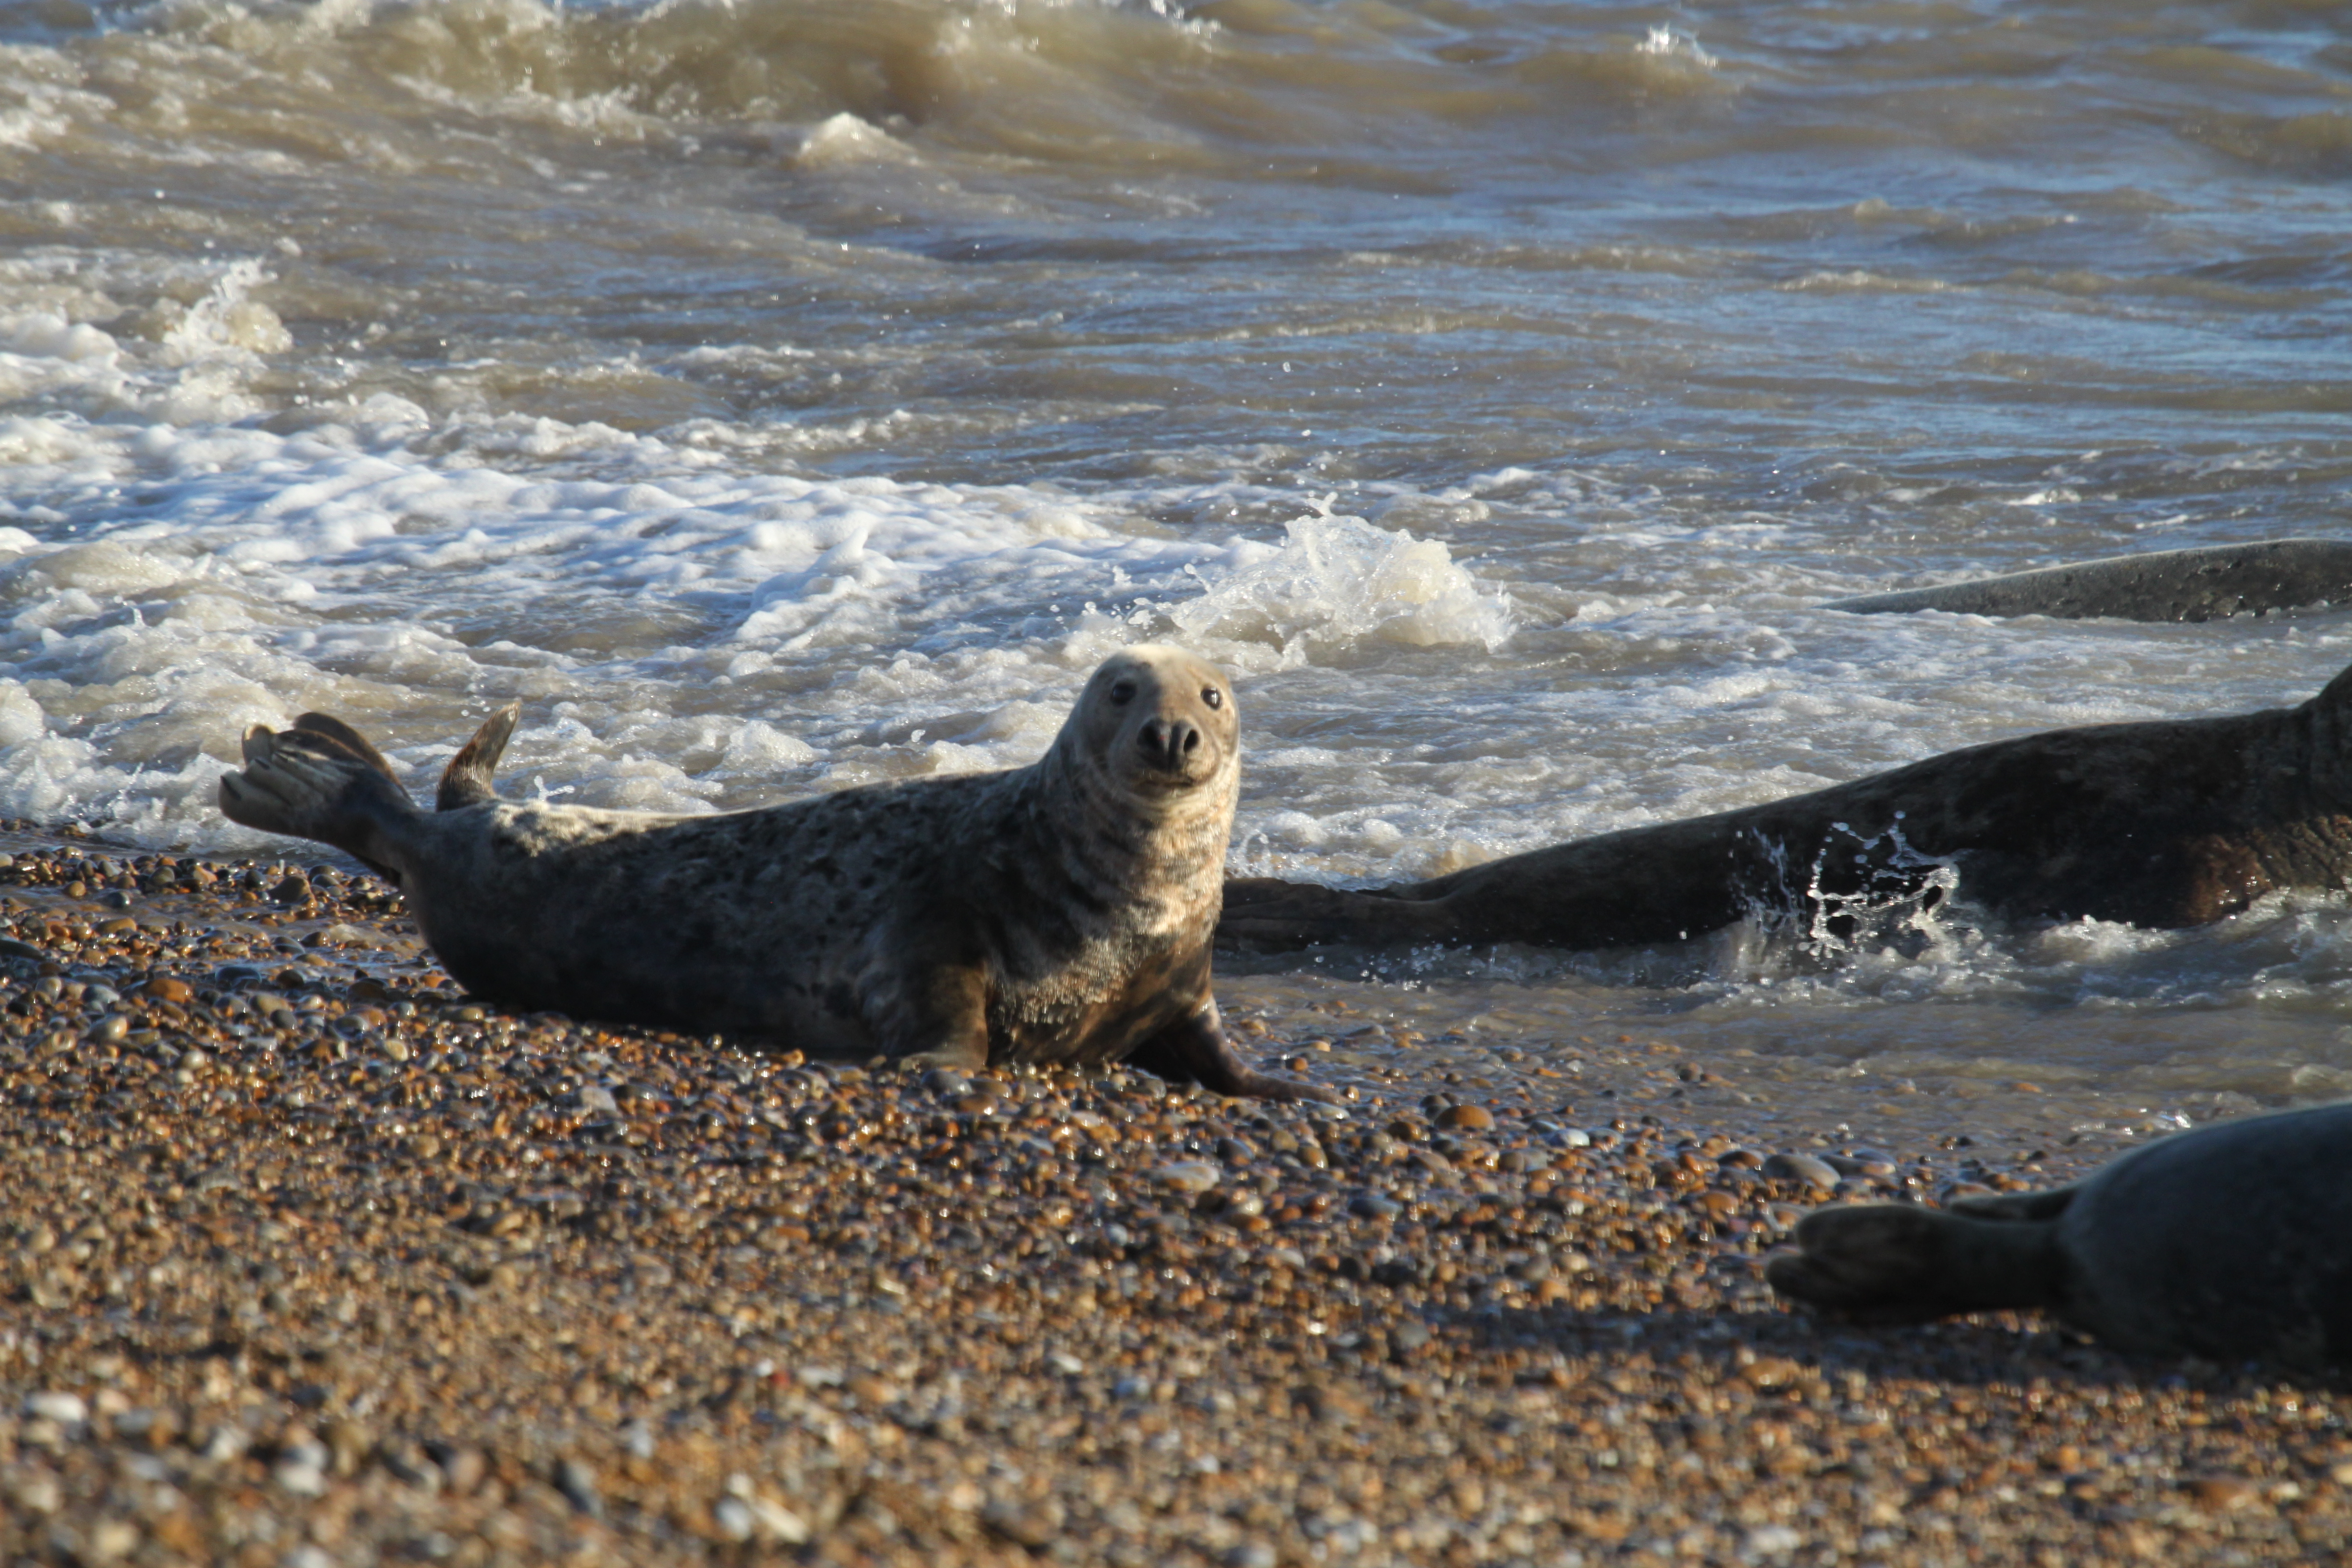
point(2226, 1243)
point(1060, 912)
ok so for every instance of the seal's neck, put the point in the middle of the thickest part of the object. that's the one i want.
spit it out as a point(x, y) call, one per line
point(1163, 858)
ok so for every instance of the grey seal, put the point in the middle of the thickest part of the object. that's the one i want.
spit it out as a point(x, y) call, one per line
point(1060, 912)
point(2199, 584)
point(2167, 824)
point(2225, 1243)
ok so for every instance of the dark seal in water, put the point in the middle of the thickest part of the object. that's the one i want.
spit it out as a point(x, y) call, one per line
point(2167, 824)
point(2226, 1243)
point(1060, 912)
point(2204, 585)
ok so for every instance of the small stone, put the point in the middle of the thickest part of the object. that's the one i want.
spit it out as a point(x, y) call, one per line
point(947, 1083)
point(301, 1466)
point(1465, 1118)
point(53, 1405)
point(577, 1482)
point(111, 1030)
point(164, 988)
point(1251, 1554)
point(1807, 1170)
point(734, 1519)
point(2222, 1493)
point(597, 1097)
point(1034, 1525)
point(1187, 1175)
point(112, 1540)
point(300, 1477)
point(462, 1470)
point(1771, 1371)
point(347, 1441)
point(1408, 1337)
point(1374, 1205)
point(1333, 1402)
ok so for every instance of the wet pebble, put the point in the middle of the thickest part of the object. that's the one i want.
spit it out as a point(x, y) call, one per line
point(1187, 1175)
point(1807, 1170)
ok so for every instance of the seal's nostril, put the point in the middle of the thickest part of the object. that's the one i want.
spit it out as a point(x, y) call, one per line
point(1169, 744)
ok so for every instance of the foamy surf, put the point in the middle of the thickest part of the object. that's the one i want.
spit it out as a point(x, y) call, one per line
point(682, 638)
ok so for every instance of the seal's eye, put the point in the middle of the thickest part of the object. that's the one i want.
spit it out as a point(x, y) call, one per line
point(1212, 697)
point(1122, 692)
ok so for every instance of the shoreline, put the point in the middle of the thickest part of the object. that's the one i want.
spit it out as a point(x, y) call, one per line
point(311, 1260)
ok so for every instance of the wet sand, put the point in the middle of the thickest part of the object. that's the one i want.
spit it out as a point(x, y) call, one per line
point(306, 1259)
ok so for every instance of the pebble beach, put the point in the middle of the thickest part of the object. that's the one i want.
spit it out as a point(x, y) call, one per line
point(308, 1259)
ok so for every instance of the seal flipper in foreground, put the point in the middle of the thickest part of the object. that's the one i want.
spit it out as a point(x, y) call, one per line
point(2224, 1243)
point(1900, 1263)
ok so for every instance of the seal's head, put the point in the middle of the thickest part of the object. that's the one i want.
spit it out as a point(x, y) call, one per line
point(1159, 725)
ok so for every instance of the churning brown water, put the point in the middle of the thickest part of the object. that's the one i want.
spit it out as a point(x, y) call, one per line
point(783, 394)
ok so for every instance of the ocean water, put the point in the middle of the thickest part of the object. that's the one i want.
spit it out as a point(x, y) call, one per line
point(782, 394)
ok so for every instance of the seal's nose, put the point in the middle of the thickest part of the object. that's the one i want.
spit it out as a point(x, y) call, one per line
point(1169, 743)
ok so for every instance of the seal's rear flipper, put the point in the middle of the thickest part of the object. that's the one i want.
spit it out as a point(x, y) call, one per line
point(335, 732)
point(467, 779)
point(313, 782)
point(1901, 1263)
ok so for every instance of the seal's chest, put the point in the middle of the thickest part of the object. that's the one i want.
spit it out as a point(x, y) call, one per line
point(1099, 1005)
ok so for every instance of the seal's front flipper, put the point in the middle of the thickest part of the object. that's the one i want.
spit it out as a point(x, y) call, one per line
point(310, 782)
point(1900, 1263)
point(467, 779)
point(934, 1017)
point(1195, 1050)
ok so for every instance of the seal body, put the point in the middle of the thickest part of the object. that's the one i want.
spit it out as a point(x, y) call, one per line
point(2163, 585)
point(2225, 1243)
point(2164, 825)
point(1060, 912)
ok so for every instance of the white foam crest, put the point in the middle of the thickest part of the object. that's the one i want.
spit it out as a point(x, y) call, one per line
point(198, 370)
point(704, 637)
point(1338, 580)
point(1664, 42)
